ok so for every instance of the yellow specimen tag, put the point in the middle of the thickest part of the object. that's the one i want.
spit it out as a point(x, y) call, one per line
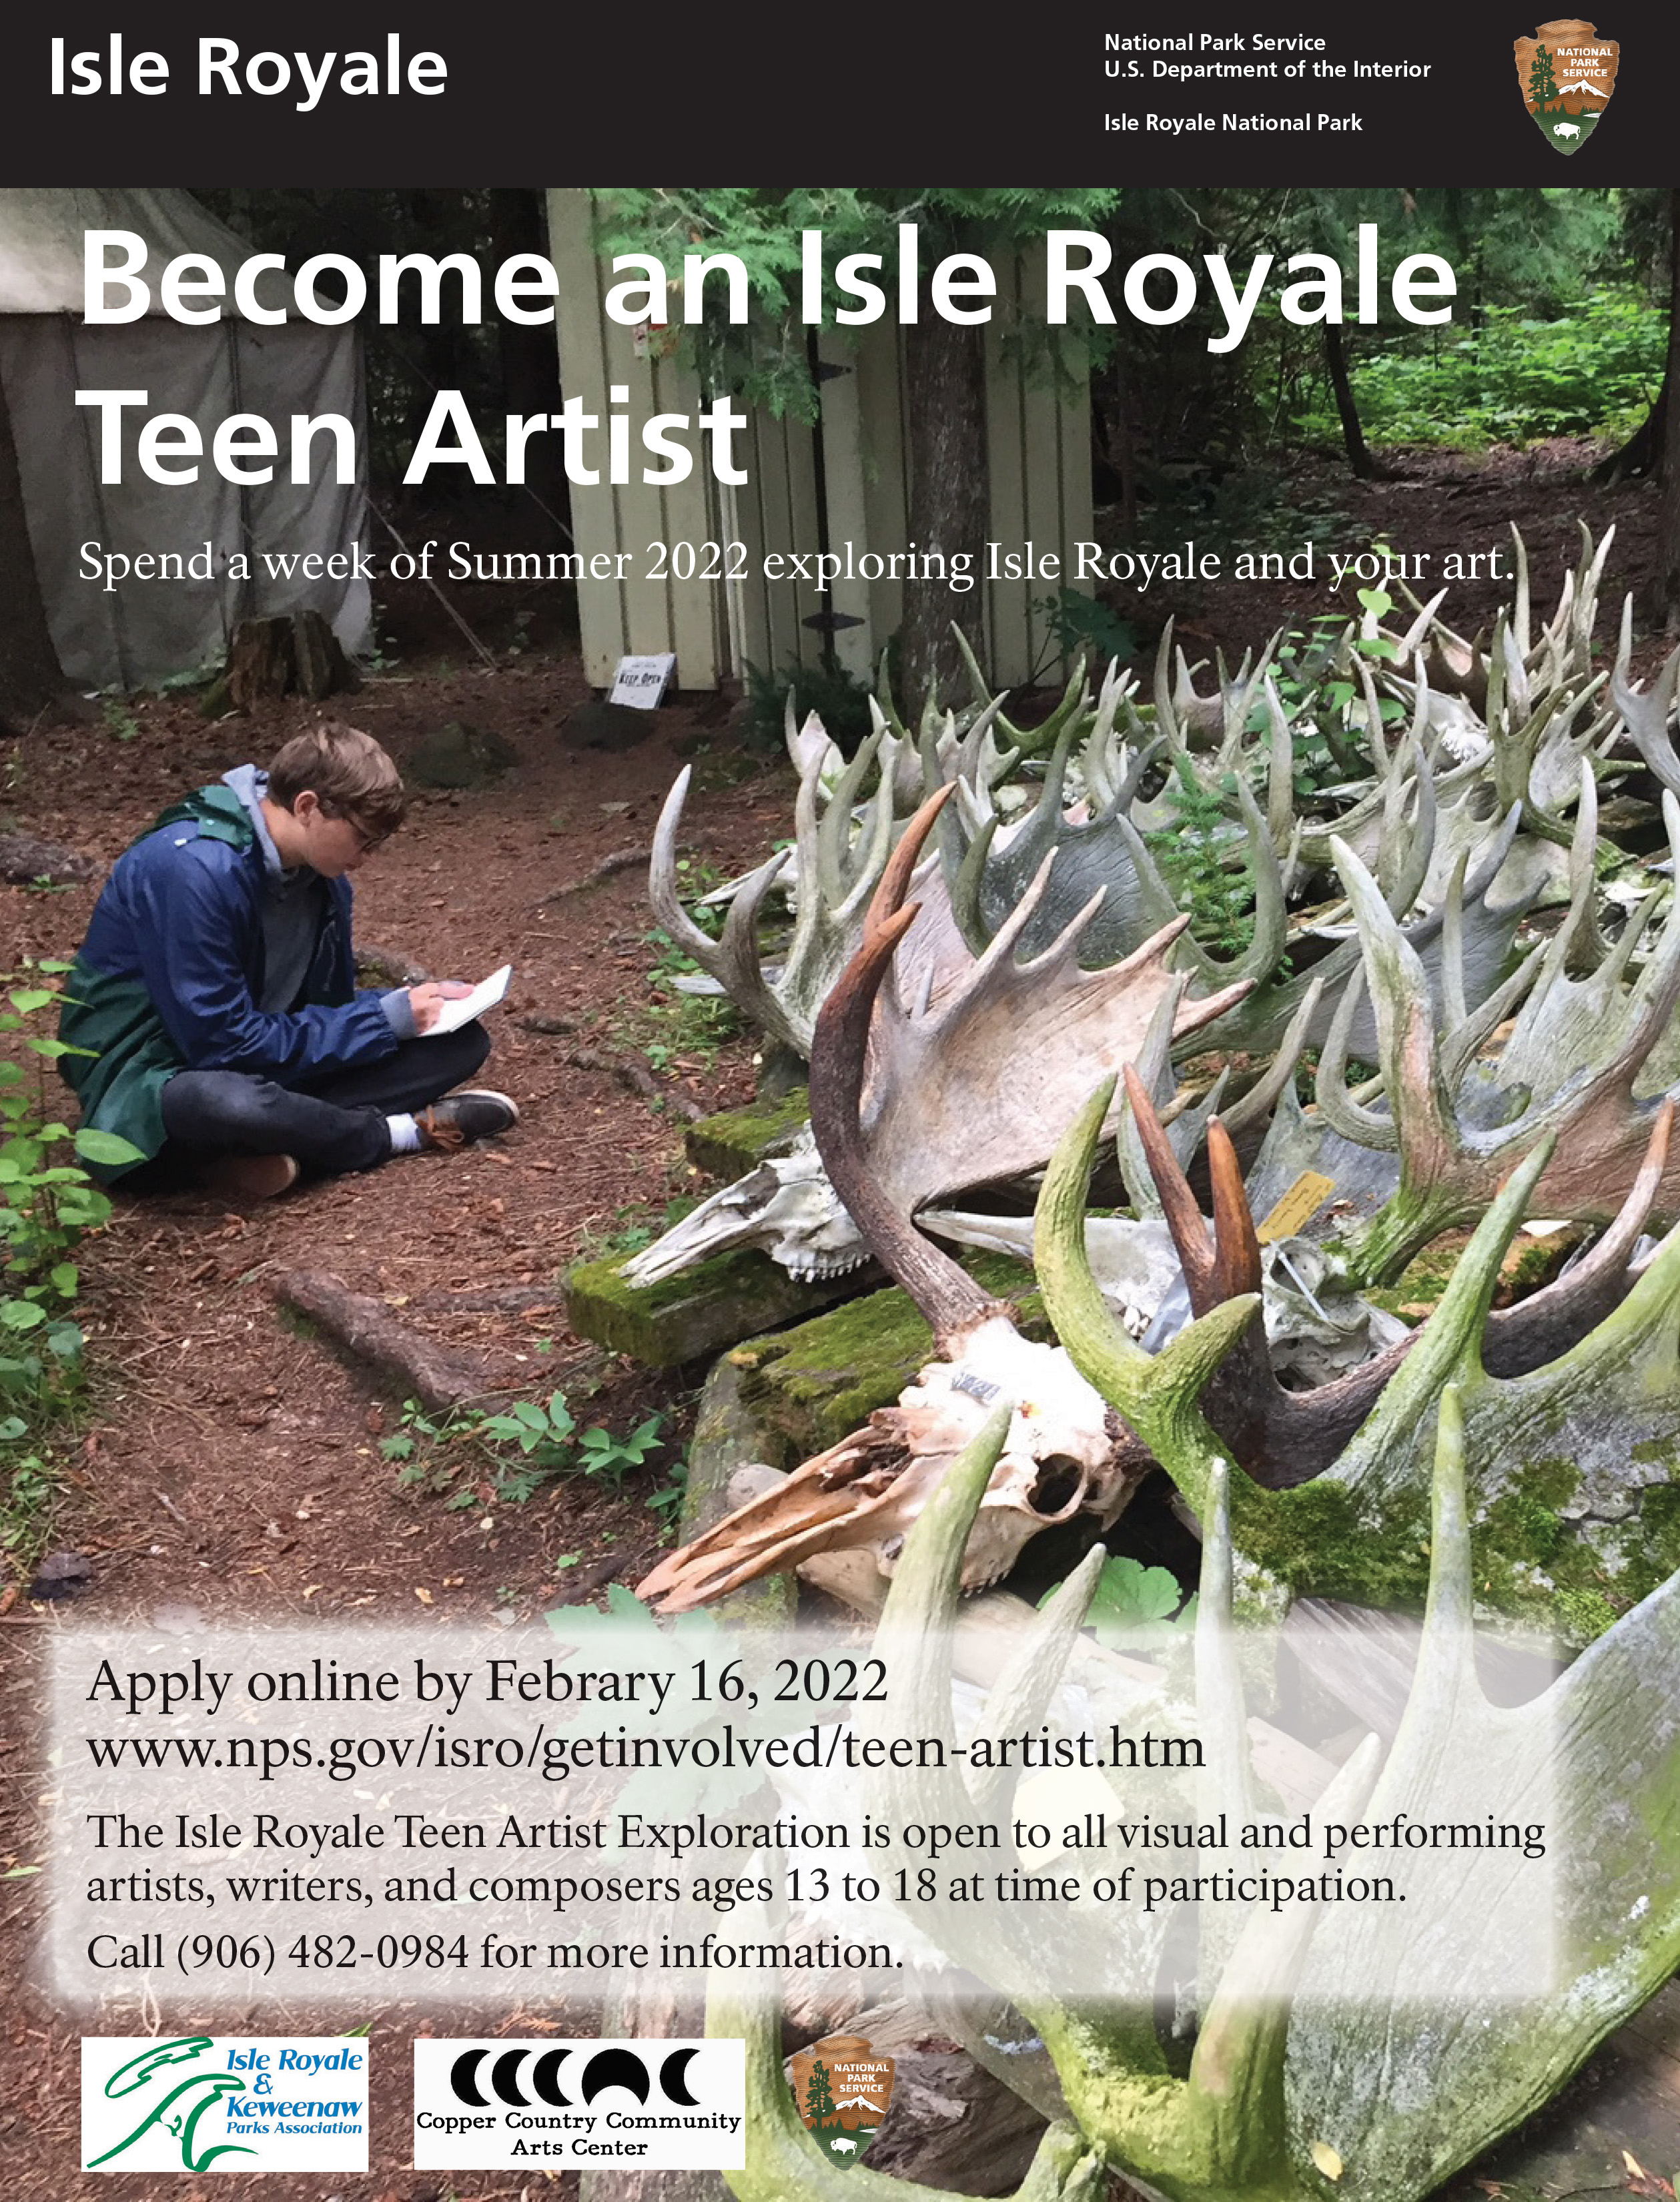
point(1303, 1200)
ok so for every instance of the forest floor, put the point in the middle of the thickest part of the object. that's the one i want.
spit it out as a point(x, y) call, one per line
point(225, 1462)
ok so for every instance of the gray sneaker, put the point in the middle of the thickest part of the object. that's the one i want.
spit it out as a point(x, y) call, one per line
point(459, 1119)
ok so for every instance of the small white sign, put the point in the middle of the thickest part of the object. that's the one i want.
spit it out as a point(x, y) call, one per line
point(657, 2105)
point(199, 2102)
point(642, 682)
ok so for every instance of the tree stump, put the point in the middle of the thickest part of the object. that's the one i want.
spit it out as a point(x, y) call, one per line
point(260, 662)
point(321, 668)
point(295, 652)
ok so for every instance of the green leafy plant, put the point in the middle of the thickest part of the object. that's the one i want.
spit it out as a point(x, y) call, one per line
point(415, 1430)
point(524, 1446)
point(1205, 862)
point(47, 1203)
point(1513, 378)
point(1133, 1603)
point(666, 1503)
point(545, 1433)
point(839, 699)
point(30, 1486)
point(1075, 621)
point(600, 1453)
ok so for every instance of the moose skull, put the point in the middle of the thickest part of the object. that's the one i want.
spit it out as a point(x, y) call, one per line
point(1061, 1458)
point(785, 1206)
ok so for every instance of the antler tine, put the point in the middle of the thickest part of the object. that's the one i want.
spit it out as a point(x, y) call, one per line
point(733, 962)
point(1645, 714)
point(1166, 709)
point(1468, 1039)
point(1263, 1096)
point(1404, 851)
point(1495, 850)
point(1348, 1118)
point(1237, 1264)
point(834, 832)
point(1280, 770)
point(946, 1294)
point(1179, 1205)
point(1618, 1242)
point(874, 839)
point(1657, 989)
point(1521, 1338)
point(662, 879)
point(1587, 946)
point(1521, 611)
point(889, 897)
point(971, 747)
point(738, 944)
point(1152, 1064)
point(1586, 595)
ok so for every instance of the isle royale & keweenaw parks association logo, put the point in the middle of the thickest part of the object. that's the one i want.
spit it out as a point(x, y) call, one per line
point(1566, 74)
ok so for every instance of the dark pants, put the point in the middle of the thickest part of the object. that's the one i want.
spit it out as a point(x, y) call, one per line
point(332, 1124)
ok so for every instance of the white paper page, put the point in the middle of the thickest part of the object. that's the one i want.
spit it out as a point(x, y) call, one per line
point(485, 996)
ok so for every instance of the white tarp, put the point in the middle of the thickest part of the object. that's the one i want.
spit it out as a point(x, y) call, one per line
point(144, 630)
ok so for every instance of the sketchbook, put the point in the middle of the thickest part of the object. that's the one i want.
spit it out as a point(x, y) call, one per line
point(485, 996)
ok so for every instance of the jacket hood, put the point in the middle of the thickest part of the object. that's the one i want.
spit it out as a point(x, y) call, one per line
point(250, 784)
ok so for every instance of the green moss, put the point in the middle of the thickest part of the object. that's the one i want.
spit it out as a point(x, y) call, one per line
point(823, 1378)
point(1533, 1527)
point(1318, 1540)
point(1526, 1560)
point(1421, 1283)
point(727, 1146)
point(1550, 1483)
point(1586, 1613)
point(699, 1311)
point(1654, 1553)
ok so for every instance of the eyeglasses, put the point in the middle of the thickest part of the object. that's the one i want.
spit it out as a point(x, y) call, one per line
point(365, 842)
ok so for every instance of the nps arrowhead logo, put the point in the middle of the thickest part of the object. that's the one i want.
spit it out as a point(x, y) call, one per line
point(841, 2088)
point(1567, 73)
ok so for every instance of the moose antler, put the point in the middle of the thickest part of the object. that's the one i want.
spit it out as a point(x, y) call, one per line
point(1646, 712)
point(1376, 2038)
point(1570, 1066)
point(969, 1064)
point(837, 864)
point(1282, 1438)
point(1535, 1374)
point(1065, 1453)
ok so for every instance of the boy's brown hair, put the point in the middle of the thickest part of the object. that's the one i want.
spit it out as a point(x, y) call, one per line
point(349, 773)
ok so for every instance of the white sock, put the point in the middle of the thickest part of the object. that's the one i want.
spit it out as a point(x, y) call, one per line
point(405, 1138)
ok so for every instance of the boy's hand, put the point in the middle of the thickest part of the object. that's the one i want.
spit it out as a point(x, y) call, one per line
point(427, 1001)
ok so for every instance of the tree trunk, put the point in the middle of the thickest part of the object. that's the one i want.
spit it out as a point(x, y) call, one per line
point(530, 355)
point(1666, 578)
point(945, 393)
point(1365, 467)
point(1642, 454)
point(30, 675)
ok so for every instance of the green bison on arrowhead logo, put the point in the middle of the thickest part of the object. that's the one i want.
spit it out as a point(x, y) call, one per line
point(1567, 73)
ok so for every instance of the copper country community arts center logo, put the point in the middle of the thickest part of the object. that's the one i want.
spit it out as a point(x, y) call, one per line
point(1567, 73)
point(842, 2088)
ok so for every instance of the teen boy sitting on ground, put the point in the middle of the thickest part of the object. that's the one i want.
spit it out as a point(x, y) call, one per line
point(216, 987)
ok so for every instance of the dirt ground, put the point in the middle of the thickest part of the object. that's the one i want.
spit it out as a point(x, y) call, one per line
point(227, 1462)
